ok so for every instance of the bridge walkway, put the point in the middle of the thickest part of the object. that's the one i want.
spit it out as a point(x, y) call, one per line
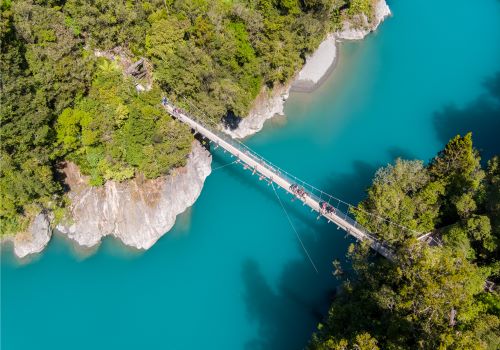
point(272, 174)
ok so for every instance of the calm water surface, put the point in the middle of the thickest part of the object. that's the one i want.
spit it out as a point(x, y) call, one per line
point(231, 274)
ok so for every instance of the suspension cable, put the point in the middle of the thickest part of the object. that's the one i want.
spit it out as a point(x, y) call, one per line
point(225, 165)
point(237, 143)
point(294, 229)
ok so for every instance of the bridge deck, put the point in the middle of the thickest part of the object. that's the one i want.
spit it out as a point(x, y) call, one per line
point(261, 166)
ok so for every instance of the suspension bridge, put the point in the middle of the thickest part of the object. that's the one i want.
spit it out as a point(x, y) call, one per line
point(326, 205)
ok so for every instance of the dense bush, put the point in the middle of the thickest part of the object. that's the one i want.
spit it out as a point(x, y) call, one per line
point(58, 102)
point(429, 298)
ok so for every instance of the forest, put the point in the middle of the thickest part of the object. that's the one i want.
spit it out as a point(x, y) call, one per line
point(60, 102)
point(431, 297)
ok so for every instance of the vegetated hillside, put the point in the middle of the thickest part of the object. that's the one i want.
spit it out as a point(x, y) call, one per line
point(430, 298)
point(59, 101)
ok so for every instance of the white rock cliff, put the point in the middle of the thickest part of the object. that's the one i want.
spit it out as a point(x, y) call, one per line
point(34, 239)
point(351, 32)
point(138, 212)
point(267, 104)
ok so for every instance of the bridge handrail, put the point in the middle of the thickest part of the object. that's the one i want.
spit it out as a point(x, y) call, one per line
point(376, 244)
point(320, 194)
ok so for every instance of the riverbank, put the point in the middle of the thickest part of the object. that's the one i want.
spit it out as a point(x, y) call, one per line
point(318, 66)
point(235, 244)
point(125, 210)
point(315, 71)
point(137, 212)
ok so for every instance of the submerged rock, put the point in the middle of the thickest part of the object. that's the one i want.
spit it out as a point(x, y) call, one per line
point(138, 211)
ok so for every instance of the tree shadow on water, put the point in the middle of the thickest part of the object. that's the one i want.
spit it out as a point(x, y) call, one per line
point(350, 187)
point(280, 313)
point(481, 116)
point(288, 314)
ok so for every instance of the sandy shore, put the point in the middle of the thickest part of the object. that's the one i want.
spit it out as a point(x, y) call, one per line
point(270, 103)
point(315, 71)
point(318, 66)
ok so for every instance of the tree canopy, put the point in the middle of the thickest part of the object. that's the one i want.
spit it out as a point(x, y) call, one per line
point(61, 102)
point(429, 297)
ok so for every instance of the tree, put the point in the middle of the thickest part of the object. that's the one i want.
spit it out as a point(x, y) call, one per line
point(428, 297)
point(426, 300)
point(404, 194)
point(57, 105)
point(459, 167)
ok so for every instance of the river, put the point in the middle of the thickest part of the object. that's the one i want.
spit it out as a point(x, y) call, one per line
point(232, 274)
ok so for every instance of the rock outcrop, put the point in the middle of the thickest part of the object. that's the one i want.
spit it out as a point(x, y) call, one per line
point(34, 239)
point(361, 26)
point(139, 211)
point(267, 104)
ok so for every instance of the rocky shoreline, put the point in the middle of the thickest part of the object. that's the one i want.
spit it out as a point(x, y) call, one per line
point(351, 31)
point(139, 212)
point(317, 68)
point(34, 239)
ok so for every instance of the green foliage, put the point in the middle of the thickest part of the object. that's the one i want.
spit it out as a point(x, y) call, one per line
point(492, 197)
point(405, 194)
point(115, 131)
point(492, 302)
point(452, 195)
point(363, 341)
point(361, 6)
point(107, 24)
point(458, 166)
point(218, 54)
point(36, 57)
point(221, 58)
point(429, 298)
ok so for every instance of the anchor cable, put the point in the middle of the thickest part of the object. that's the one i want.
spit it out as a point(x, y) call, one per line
point(223, 166)
point(294, 229)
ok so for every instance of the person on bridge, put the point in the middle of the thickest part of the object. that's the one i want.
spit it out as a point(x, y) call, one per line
point(327, 208)
point(299, 192)
point(164, 101)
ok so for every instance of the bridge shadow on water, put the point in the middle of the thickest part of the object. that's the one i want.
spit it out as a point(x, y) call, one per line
point(288, 314)
point(481, 116)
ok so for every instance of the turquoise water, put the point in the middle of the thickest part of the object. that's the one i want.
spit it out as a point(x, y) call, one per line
point(231, 274)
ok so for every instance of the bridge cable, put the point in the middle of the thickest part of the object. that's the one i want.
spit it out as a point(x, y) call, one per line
point(238, 144)
point(225, 165)
point(294, 229)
